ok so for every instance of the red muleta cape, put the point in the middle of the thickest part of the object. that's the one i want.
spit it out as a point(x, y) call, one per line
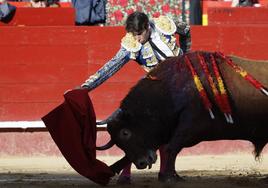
point(72, 125)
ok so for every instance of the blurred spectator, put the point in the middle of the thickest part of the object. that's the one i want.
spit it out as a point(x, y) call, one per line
point(196, 12)
point(44, 3)
point(245, 3)
point(6, 9)
point(89, 12)
point(39, 3)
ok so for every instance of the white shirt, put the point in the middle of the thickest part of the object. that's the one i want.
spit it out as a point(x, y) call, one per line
point(161, 45)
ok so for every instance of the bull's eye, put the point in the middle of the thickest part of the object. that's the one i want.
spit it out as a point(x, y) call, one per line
point(125, 134)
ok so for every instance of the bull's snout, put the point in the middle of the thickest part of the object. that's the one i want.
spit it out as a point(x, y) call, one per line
point(143, 162)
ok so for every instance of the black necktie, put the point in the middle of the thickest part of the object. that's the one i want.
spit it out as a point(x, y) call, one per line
point(157, 49)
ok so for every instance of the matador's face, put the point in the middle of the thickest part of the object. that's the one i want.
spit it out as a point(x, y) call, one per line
point(143, 36)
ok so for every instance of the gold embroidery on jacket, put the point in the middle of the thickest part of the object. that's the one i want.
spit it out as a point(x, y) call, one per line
point(165, 25)
point(147, 50)
point(171, 43)
point(130, 43)
point(151, 61)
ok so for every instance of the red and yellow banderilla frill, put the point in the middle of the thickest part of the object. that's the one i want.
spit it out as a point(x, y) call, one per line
point(244, 74)
point(200, 88)
point(220, 97)
point(226, 108)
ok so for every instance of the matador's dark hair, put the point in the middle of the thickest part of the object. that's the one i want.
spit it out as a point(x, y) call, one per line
point(137, 22)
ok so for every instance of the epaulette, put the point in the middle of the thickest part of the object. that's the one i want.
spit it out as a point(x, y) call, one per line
point(165, 25)
point(130, 43)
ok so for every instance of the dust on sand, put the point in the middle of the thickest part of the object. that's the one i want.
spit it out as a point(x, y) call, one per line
point(205, 171)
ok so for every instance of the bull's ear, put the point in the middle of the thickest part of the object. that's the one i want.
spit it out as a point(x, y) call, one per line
point(124, 134)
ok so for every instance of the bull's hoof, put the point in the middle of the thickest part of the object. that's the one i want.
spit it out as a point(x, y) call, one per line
point(123, 180)
point(174, 178)
point(265, 180)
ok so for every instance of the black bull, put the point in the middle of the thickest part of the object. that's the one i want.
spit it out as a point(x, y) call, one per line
point(165, 108)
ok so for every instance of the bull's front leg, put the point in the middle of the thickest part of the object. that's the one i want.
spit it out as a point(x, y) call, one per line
point(167, 171)
point(183, 136)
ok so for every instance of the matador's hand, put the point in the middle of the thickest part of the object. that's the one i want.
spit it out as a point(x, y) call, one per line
point(182, 28)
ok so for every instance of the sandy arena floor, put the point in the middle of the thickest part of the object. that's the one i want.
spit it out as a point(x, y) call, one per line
point(232, 171)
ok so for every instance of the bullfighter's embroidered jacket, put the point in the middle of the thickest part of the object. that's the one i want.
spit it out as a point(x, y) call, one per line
point(163, 31)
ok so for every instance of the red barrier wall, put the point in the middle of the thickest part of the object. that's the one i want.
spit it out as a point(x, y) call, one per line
point(237, 16)
point(26, 16)
point(38, 64)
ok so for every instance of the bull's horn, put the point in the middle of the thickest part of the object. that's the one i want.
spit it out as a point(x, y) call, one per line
point(112, 117)
point(106, 146)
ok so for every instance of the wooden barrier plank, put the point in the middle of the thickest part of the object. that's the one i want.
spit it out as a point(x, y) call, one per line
point(30, 102)
point(205, 38)
point(130, 72)
point(25, 111)
point(207, 4)
point(33, 111)
point(42, 55)
point(27, 93)
point(49, 92)
point(28, 16)
point(244, 41)
point(44, 35)
point(44, 73)
point(237, 16)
